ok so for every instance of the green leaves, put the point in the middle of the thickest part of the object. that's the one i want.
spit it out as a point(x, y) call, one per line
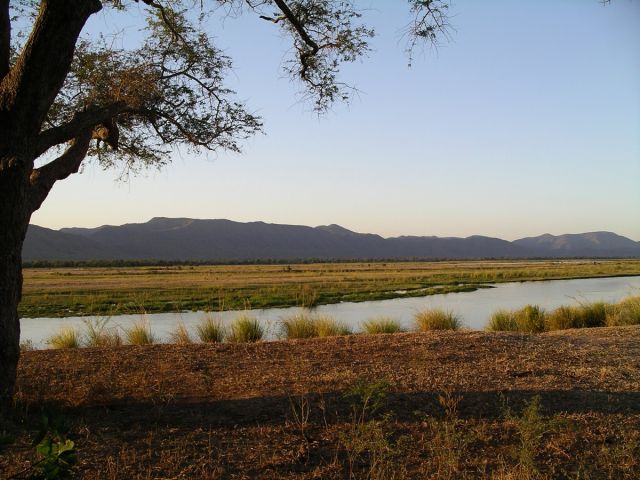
point(56, 453)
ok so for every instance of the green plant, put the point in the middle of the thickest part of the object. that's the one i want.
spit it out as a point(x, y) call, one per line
point(139, 333)
point(502, 321)
point(245, 329)
point(381, 325)
point(181, 335)
point(530, 319)
point(56, 453)
point(437, 319)
point(300, 325)
point(210, 330)
point(592, 315)
point(97, 334)
point(66, 337)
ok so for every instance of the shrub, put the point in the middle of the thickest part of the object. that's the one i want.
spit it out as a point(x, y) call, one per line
point(381, 325)
point(245, 329)
point(66, 337)
point(300, 325)
point(502, 321)
point(210, 330)
point(98, 335)
point(626, 312)
point(530, 319)
point(330, 327)
point(139, 334)
point(181, 335)
point(437, 319)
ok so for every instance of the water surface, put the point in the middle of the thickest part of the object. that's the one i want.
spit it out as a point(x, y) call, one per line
point(475, 308)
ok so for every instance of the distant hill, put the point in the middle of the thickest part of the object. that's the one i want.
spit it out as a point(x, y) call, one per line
point(190, 239)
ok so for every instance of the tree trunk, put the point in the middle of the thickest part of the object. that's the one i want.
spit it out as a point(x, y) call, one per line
point(14, 220)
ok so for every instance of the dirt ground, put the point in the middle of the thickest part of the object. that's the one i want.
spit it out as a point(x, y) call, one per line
point(410, 405)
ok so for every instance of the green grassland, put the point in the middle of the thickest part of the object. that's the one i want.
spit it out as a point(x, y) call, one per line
point(63, 292)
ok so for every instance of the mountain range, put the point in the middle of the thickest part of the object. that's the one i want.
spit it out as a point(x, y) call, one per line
point(175, 239)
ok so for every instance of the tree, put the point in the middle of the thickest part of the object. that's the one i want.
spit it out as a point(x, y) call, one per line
point(65, 97)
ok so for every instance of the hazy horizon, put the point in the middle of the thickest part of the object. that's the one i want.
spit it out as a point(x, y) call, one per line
point(525, 123)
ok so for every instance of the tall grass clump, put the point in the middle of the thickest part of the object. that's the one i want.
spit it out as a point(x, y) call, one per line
point(210, 330)
point(330, 327)
point(98, 334)
point(626, 312)
point(300, 325)
point(181, 335)
point(66, 337)
point(437, 319)
point(375, 326)
point(530, 319)
point(245, 329)
point(593, 315)
point(563, 318)
point(502, 321)
point(139, 334)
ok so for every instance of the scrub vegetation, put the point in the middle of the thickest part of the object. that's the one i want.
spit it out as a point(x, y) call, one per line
point(60, 292)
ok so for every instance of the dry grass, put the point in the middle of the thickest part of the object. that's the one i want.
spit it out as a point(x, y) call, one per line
point(626, 312)
point(305, 325)
point(437, 319)
point(66, 337)
point(210, 330)
point(139, 333)
point(457, 405)
point(98, 334)
point(245, 329)
point(375, 326)
point(181, 335)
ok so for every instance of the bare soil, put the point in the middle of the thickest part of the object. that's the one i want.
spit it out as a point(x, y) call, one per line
point(454, 407)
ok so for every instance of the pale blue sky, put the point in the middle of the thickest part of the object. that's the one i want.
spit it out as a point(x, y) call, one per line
point(527, 122)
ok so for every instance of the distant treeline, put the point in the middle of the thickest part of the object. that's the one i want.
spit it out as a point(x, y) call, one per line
point(264, 261)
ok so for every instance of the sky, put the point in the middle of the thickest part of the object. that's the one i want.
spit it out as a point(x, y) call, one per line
point(526, 122)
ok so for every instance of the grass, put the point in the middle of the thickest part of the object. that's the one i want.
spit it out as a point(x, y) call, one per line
point(99, 335)
point(245, 329)
point(66, 337)
point(379, 325)
point(502, 321)
point(300, 325)
point(119, 290)
point(304, 325)
point(210, 330)
point(139, 333)
point(626, 312)
point(181, 335)
point(437, 319)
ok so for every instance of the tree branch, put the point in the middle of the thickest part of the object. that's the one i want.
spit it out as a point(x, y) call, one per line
point(30, 87)
point(85, 120)
point(299, 27)
point(42, 179)
point(5, 37)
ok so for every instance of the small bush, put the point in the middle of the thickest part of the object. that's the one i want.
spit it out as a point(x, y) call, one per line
point(181, 335)
point(299, 326)
point(139, 334)
point(626, 312)
point(381, 325)
point(66, 337)
point(330, 327)
point(245, 329)
point(97, 334)
point(530, 319)
point(437, 319)
point(502, 321)
point(210, 330)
